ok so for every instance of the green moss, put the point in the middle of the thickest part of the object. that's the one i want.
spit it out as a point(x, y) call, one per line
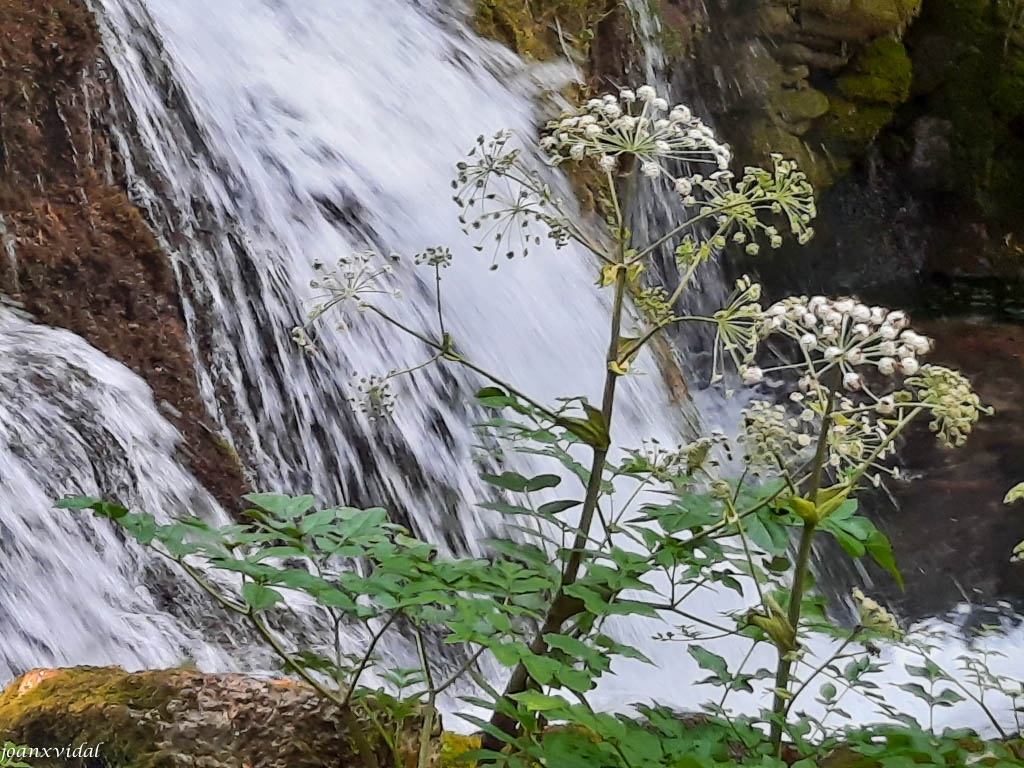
point(801, 104)
point(1008, 96)
point(454, 746)
point(855, 125)
point(41, 714)
point(883, 75)
point(529, 28)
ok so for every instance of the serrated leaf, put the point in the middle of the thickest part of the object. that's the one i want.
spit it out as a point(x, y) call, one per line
point(712, 662)
point(260, 598)
point(538, 702)
point(280, 505)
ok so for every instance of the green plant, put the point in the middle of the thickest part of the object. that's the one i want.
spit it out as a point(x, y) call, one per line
point(644, 528)
point(9, 754)
point(1015, 494)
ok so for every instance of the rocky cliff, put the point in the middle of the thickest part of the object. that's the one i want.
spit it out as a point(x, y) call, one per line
point(74, 251)
point(908, 116)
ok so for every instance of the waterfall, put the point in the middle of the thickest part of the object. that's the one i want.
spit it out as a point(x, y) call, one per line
point(262, 137)
point(74, 421)
point(270, 136)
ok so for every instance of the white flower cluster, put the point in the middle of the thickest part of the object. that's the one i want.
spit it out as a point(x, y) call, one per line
point(770, 435)
point(302, 340)
point(857, 370)
point(783, 191)
point(737, 326)
point(435, 256)
point(855, 437)
point(501, 198)
point(635, 124)
point(357, 277)
point(373, 396)
point(684, 461)
point(749, 212)
point(953, 405)
point(847, 336)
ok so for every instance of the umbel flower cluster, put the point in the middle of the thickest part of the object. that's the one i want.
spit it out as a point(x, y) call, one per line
point(858, 367)
point(638, 126)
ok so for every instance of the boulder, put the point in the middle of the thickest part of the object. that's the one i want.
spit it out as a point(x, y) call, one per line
point(183, 718)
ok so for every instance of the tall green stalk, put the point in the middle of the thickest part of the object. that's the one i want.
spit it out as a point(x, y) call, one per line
point(563, 607)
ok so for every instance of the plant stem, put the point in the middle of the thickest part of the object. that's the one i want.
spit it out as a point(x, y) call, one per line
point(364, 662)
point(796, 597)
point(430, 709)
point(563, 607)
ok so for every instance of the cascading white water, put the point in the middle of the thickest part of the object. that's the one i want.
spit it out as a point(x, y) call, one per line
point(303, 131)
point(263, 136)
point(73, 421)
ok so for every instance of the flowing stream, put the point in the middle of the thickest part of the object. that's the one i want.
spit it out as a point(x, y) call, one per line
point(262, 137)
point(74, 421)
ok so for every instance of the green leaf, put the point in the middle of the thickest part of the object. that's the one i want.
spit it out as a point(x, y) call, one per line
point(510, 481)
point(494, 397)
point(850, 544)
point(1014, 494)
point(542, 668)
point(880, 548)
point(577, 649)
point(948, 698)
point(285, 507)
point(100, 507)
point(618, 649)
point(538, 702)
point(593, 430)
point(712, 662)
point(359, 523)
point(509, 654)
point(540, 482)
point(553, 508)
point(260, 598)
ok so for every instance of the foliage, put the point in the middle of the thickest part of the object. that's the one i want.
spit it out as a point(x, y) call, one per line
point(1016, 494)
point(9, 753)
point(619, 530)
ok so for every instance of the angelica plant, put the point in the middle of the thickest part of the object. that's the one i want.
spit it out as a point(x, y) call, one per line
point(647, 527)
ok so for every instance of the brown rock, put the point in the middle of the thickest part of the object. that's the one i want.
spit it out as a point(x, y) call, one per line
point(187, 719)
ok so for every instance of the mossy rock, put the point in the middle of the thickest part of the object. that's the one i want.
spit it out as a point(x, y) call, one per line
point(796, 105)
point(763, 137)
point(186, 719)
point(883, 74)
point(857, 20)
point(529, 28)
point(855, 125)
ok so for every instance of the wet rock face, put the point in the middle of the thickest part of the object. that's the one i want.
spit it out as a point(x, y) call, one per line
point(816, 80)
point(186, 719)
point(950, 529)
point(951, 533)
point(73, 249)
